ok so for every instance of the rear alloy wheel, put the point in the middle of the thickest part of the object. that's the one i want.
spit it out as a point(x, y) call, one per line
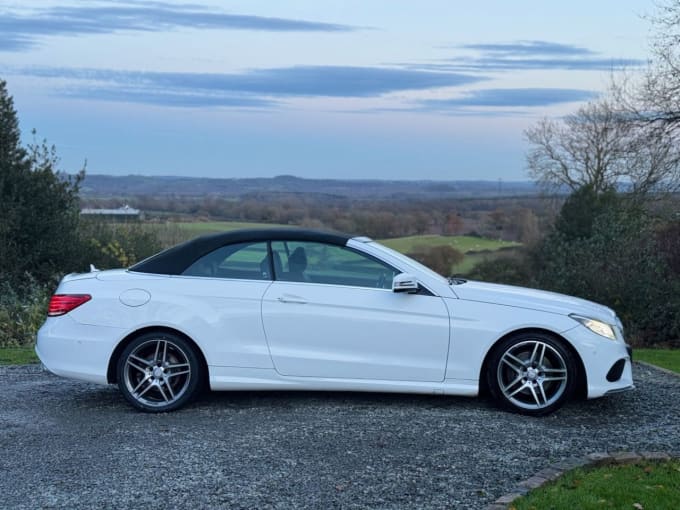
point(159, 372)
point(531, 373)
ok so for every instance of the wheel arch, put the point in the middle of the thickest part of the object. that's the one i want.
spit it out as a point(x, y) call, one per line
point(113, 360)
point(581, 389)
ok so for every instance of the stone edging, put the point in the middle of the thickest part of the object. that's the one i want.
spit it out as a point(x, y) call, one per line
point(557, 469)
point(657, 367)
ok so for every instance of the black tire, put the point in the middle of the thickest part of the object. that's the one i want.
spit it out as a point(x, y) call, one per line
point(531, 373)
point(159, 372)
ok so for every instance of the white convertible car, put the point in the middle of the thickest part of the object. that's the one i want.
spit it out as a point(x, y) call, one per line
point(291, 309)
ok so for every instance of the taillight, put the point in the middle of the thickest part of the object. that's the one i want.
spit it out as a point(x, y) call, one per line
point(64, 303)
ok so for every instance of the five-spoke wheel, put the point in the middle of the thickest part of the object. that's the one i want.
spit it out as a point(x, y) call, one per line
point(158, 372)
point(532, 373)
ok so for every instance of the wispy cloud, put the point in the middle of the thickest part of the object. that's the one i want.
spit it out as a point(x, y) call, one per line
point(15, 42)
point(527, 64)
point(527, 56)
point(260, 85)
point(169, 98)
point(518, 48)
point(501, 98)
point(22, 30)
point(489, 64)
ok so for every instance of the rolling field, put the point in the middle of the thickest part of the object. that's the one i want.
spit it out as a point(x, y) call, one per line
point(401, 244)
point(475, 249)
point(211, 227)
point(462, 243)
point(471, 260)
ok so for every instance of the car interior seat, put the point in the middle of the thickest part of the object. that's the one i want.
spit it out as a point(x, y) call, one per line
point(297, 263)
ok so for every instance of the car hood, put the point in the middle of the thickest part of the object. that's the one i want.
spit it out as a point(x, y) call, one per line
point(533, 299)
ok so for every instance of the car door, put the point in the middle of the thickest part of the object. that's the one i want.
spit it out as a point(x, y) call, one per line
point(223, 293)
point(331, 313)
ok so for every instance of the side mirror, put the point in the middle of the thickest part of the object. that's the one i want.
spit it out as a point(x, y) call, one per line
point(405, 282)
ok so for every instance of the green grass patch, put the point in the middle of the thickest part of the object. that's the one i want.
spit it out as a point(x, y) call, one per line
point(647, 485)
point(665, 358)
point(461, 243)
point(17, 356)
point(472, 259)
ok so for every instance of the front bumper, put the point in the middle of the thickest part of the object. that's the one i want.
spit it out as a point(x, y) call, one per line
point(620, 390)
point(599, 355)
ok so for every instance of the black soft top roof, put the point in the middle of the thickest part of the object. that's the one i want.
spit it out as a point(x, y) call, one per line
point(176, 259)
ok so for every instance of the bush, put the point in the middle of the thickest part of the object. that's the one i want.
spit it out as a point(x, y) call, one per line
point(22, 312)
point(23, 300)
point(609, 250)
point(42, 234)
point(618, 265)
point(508, 269)
point(438, 258)
point(582, 208)
point(112, 245)
point(38, 205)
point(668, 242)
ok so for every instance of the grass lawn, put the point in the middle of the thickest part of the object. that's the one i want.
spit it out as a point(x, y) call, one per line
point(17, 356)
point(666, 358)
point(647, 485)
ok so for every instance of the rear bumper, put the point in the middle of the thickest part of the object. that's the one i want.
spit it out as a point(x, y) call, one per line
point(79, 351)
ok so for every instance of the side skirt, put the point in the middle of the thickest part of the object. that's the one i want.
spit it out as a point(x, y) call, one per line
point(263, 379)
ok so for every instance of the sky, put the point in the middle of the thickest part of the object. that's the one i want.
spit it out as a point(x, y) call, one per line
point(358, 89)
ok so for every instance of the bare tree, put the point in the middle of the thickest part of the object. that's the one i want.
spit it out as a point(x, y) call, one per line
point(631, 136)
point(658, 99)
point(603, 145)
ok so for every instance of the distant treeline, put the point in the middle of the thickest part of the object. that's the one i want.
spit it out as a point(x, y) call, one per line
point(109, 185)
point(513, 219)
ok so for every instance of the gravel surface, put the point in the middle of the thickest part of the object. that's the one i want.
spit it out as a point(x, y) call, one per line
point(75, 445)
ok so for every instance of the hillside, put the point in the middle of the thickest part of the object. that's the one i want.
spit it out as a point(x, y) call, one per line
point(130, 185)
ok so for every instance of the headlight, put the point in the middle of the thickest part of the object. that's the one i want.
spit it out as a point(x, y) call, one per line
point(598, 327)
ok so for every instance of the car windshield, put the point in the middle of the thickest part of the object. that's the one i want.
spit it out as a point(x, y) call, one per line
point(408, 261)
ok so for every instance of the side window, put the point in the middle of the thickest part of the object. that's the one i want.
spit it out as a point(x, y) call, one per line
point(244, 261)
point(297, 261)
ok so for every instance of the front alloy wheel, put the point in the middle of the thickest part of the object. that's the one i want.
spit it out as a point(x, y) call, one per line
point(158, 372)
point(531, 373)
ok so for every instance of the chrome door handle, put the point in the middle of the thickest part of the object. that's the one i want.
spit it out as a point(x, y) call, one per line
point(292, 299)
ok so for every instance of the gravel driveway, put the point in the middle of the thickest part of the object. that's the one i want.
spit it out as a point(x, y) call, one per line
point(77, 445)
